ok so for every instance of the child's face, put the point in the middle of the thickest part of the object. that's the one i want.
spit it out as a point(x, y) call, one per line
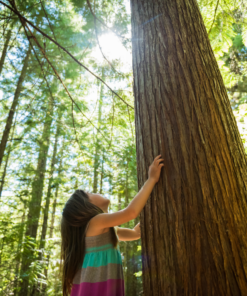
point(99, 200)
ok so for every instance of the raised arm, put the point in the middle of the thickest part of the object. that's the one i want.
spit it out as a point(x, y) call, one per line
point(134, 208)
point(126, 234)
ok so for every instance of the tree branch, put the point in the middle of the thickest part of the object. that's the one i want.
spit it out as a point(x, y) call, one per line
point(95, 17)
point(64, 49)
point(58, 76)
point(60, 79)
point(96, 34)
point(214, 16)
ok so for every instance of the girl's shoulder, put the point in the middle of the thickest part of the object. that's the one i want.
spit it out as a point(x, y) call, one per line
point(91, 231)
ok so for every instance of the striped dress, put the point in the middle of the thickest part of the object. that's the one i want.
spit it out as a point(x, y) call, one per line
point(102, 271)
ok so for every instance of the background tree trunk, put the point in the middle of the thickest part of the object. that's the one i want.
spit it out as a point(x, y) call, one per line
point(5, 170)
point(36, 197)
point(18, 252)
point(133, 266)
point(50, 183)
point(37, 288)
point(193, 227)
point(97, 143)
point(5, 47)
point(128, 274)
point(7, 158)
point(59, 171)
point(102, 173)
point(13, 106)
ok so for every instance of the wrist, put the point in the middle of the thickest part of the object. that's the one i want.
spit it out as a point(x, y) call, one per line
point(137, 233)
point(152, 180)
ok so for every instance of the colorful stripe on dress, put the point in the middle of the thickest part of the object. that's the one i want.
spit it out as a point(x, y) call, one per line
point(101, 273)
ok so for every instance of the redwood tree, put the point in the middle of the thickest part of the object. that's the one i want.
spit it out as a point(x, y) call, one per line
point(193, 226)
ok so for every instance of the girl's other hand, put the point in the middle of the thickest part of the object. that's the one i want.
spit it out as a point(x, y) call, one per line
point(137, 229)
point(155, 169)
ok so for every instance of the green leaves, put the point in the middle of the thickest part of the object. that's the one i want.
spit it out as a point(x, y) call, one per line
point(138, 274)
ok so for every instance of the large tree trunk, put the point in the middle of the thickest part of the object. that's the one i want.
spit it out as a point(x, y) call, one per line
point(13, 106)
point(193, 227)
point(36, 196)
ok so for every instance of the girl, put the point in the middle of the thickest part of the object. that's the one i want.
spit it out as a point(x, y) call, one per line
point(92, 264)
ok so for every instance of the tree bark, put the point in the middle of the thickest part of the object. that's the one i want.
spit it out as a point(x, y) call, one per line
point(36, 195)
point(13, 106)
point(193, 227)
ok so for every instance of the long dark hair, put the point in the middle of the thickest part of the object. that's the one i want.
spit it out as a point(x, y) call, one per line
point(77, 211)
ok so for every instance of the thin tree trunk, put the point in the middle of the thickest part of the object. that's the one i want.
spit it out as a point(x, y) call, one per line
point(110, 181)
point(36, 196)
point(128, 268)
point(50, 183)
point(5, 170)
point(134, 265)
point(2, 242)
point(20, 240)
point(128, 244)
point(5, 135)
point(52, 225)
point(194, 225)
point(36, 288)
point(5, 48)
point(53, 213)
point(97, 144)
point(102, 173)
point(123, 251)
point(131, 249)
point(7, 160)
point(122, 244)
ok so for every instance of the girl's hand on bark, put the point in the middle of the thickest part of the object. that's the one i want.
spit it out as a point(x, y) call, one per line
point(155, 169)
